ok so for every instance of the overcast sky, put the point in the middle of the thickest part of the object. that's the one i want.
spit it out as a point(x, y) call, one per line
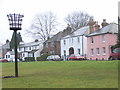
point(100, 9)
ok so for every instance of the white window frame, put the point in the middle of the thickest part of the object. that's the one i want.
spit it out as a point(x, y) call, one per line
point(104, 50)
point(52, 52)
point(30, 48)
point(103, 38)
point(92, 52)
point(91, 40)
point(64, 51)
point(78, 39)
point(79, 51)
point(64, 42)
point(98, 51)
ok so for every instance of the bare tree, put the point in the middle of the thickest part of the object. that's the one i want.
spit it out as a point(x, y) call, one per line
point(43, 26)
point(78, 19)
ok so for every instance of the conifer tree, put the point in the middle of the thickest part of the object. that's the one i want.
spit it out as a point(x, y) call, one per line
point(12, 42)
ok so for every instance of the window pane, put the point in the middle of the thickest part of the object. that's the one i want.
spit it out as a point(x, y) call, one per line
point(78, 51)
point(104, 50)
point(91, 40)
point(92, 52)
point(64, 42)
point(103, 38)
point(78, 40)
point(98, 51)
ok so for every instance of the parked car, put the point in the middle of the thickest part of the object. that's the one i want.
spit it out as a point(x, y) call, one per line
point(3, 60)
point(115, 55)
point(14, 60)
point(53, 58)
point(76, 57)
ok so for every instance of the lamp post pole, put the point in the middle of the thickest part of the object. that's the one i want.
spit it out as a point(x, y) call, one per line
point(15, 22)
point(16, 54)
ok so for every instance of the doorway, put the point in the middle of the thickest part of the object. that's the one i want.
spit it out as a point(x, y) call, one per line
point(71, 50)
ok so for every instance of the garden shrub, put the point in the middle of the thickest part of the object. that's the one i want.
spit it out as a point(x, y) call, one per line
point(42, 57)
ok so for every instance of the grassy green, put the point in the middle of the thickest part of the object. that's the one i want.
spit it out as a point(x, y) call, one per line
point(62, 74)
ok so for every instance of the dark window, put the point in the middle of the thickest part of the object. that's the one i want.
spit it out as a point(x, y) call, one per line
point(91, 41)
point(78, 40)
point(78, 51)
point(92, 52)
point(98, 51)
point(64, 42)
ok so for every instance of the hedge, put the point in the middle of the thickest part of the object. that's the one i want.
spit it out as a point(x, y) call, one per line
point(28, 59)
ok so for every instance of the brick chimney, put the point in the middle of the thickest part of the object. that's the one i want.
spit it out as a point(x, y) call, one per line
point(67, 30)
point(96, 26)
point(91, 26)
point(104, 23)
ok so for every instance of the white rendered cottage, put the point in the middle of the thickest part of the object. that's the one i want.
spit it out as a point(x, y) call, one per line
point(10, 56)
point(31, 49)
point(75, 43)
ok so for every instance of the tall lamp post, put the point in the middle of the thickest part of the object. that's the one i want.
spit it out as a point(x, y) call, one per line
point(15, 23)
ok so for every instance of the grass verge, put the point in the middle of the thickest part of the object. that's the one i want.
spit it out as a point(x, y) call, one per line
point(62, 74)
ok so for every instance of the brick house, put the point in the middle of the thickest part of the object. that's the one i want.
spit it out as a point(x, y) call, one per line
point(52, 45)
point(99, 42)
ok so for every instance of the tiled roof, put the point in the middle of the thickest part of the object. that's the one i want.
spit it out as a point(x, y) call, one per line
point(111, 28)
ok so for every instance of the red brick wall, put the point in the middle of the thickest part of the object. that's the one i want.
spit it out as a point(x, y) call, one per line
point(55, 48)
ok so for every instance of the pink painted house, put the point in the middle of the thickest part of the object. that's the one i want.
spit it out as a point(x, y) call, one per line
point(99, 41)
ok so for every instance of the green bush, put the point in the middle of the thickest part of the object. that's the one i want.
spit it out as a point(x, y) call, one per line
point(42, 57)
point(28, 59)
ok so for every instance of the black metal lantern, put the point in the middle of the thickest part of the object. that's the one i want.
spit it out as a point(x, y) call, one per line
point(15, 23)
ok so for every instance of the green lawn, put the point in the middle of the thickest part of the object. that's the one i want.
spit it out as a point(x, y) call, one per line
point(62, 74)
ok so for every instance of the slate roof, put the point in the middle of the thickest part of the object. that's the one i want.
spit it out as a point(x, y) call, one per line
point(6, 46)
point(56, 37)
point(11, 52)
point(30, 44)
point(79, 32)
point(111, 28)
